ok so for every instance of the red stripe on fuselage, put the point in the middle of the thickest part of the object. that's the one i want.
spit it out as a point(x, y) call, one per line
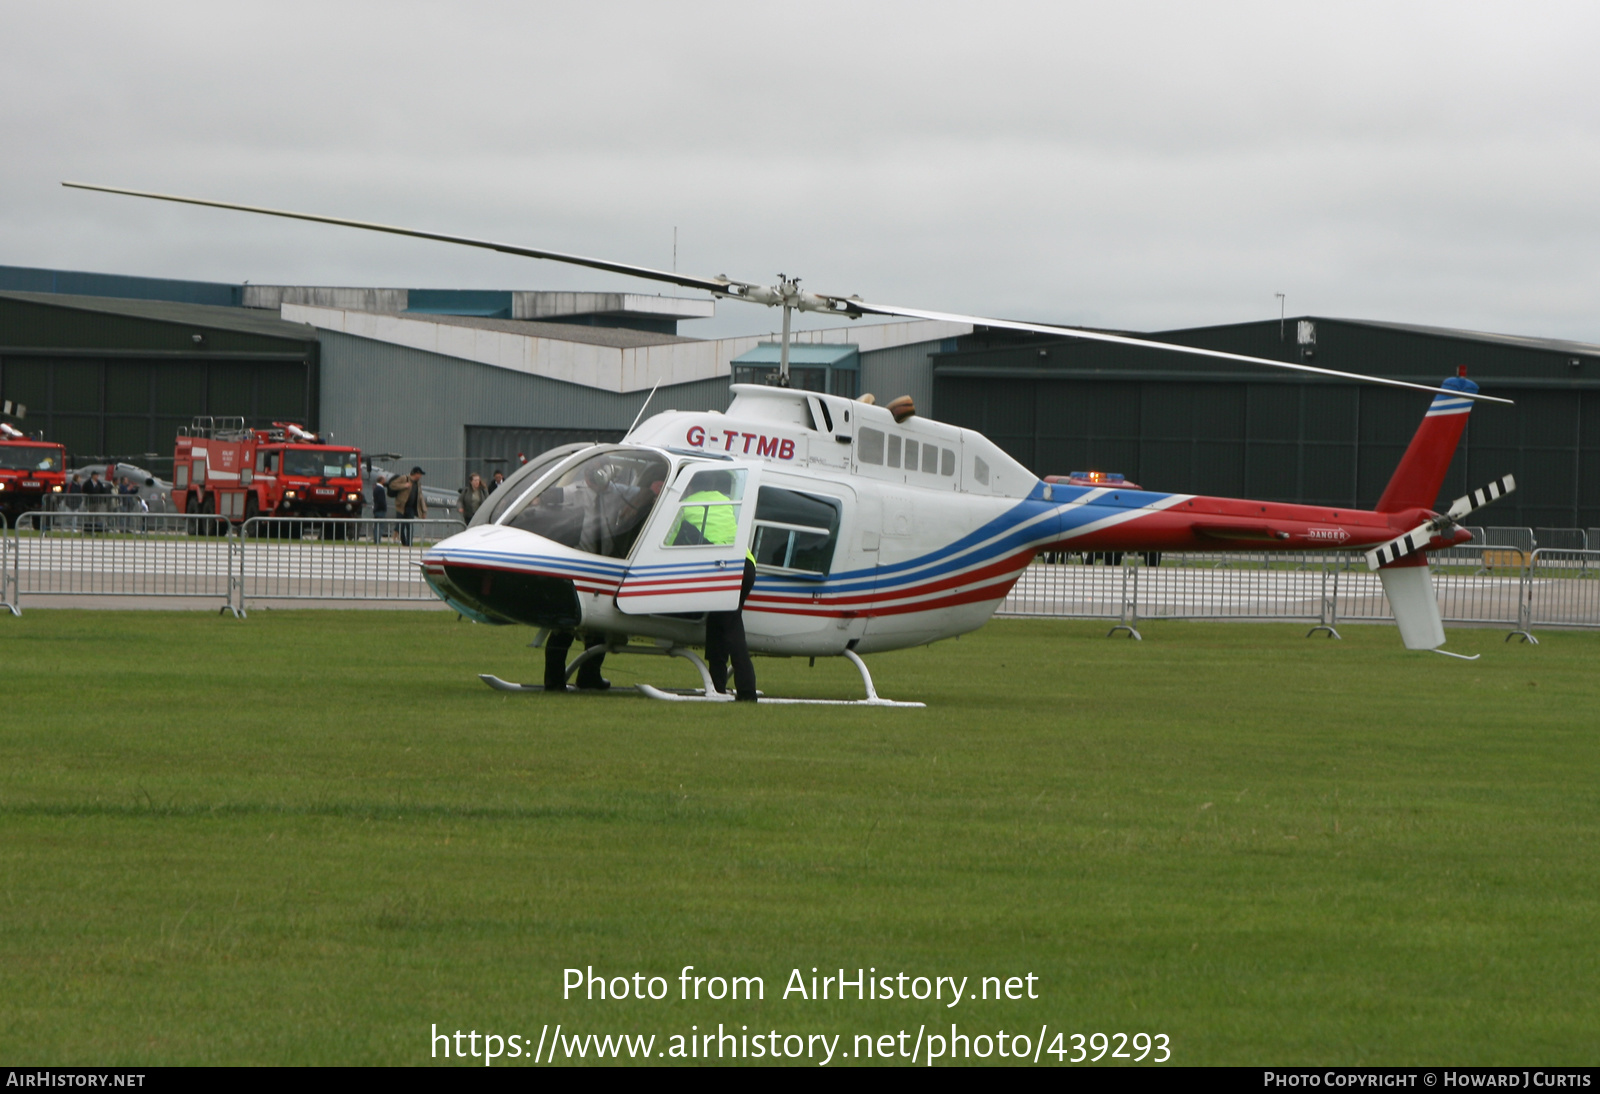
point(1203, 523)
point(1013, 564)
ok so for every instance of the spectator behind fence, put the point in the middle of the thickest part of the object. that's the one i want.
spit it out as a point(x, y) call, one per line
point(472, 496)
point(380, 506)
point(494, 484)
point(409, 504)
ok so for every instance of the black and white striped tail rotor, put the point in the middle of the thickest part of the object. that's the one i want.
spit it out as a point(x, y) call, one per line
point(1496, 490)
point(1420, 536)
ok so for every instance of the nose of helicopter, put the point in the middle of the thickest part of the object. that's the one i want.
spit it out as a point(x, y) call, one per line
point(503, 575)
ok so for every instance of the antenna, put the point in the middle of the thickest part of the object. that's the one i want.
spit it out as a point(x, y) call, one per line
point(639, 415)
point(674, 248)
point(1282, 300)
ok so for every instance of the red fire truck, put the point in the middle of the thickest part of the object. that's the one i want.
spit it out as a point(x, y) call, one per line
point(221, 467)
point(31, 469)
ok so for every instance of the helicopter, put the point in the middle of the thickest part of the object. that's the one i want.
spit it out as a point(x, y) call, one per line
point(872, 528)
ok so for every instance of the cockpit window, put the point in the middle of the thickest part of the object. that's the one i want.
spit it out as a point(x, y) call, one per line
point(599, 505)
point(503, 497)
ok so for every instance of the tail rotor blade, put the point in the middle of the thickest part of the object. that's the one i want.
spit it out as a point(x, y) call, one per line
point(1401, 546)
point(1496, 490)
point(1419, 537)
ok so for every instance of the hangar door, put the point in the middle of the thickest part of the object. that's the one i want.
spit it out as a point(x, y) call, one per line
point(492, 448)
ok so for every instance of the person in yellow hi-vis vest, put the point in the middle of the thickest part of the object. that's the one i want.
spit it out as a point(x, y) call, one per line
point(709, 516)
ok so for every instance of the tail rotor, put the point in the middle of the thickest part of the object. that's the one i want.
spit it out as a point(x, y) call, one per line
point(1420, 536)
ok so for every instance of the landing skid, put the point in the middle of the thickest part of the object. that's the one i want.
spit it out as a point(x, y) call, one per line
point(706, 694)
point(696, 697)
point(506, 685)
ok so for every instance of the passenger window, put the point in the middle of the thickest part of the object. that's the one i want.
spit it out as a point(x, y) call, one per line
point(911, 455)
point(930, 460)
point(947, 463)
point(980, 470)
point(795, 532)
point(708, 512)
point(869, 445)
point(894, 450)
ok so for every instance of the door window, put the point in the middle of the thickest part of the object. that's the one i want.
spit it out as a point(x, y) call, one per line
point(708, 512)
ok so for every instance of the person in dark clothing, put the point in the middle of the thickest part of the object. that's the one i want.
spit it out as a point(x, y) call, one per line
point(725, 639)
point(380, 508)
point(408, 502)
point(555, 663)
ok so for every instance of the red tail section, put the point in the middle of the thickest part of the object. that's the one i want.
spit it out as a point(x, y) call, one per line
point(1420, 476)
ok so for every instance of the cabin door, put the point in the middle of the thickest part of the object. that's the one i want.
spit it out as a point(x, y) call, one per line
point(690, 557)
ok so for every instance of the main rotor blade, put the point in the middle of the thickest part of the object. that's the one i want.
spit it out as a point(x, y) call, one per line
point(1145, 343)
point(834, 305)
point(708, 284)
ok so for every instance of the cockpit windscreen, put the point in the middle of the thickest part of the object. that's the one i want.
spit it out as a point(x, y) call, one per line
point(599, 505)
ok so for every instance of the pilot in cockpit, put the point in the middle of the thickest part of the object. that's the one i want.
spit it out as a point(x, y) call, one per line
point(613, 509)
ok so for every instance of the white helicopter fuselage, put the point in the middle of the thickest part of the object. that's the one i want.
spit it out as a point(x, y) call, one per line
point(905, 564)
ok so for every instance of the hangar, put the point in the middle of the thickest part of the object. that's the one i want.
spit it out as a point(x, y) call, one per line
point(458, 380)
point(1192, 426)
point(451, 380)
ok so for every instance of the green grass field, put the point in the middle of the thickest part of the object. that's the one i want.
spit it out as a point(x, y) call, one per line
point(309, 836)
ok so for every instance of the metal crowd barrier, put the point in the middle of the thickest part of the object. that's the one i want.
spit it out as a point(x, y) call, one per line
point(284, 558)
point(122, 554)
point(1475, 583)
point(1562, 589)
point(1566, 539)
point(92, 553)
point(106, 503)
point(8, 568)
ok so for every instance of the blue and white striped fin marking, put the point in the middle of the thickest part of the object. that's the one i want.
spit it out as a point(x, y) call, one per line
point(1444, 404)
point(1448, 404)
point(1399, 548)
point(1496, 490)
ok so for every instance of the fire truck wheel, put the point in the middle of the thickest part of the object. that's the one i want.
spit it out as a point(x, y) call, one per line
point(251, 511)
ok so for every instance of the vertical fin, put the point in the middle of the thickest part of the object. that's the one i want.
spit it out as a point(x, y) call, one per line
point(1420, 475)
point(1416, 610)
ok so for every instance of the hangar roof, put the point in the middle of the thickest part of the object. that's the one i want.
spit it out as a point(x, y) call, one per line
point(1558, 345)
point(207, 316)
point(771, 353)
point(616, 337)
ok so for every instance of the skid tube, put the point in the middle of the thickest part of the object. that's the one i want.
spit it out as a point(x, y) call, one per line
point(706, 693)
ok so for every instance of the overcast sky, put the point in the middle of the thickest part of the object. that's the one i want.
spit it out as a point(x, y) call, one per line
point(1142, 166)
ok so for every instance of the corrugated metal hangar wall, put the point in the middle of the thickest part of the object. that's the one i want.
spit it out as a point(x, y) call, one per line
point(390, 398)
point(1192, 426)
point(118, 377)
